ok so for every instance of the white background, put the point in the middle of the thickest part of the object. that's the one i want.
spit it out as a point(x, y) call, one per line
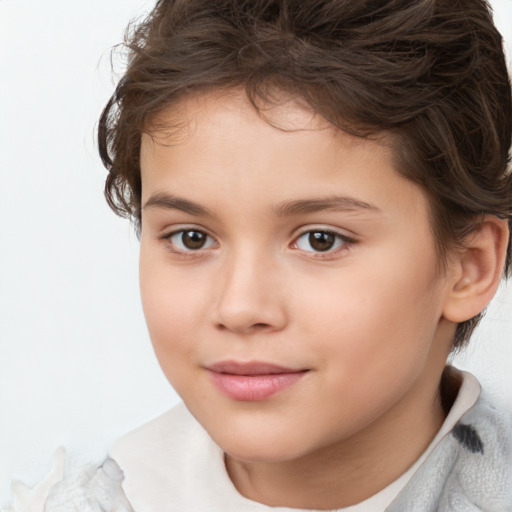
point(76, 366)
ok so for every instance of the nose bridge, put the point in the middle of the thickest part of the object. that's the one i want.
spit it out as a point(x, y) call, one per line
point(249, 298)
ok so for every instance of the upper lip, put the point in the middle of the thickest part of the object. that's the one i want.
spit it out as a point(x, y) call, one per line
point(251, 368)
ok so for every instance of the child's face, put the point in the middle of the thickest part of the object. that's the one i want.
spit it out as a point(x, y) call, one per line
point(302, 249)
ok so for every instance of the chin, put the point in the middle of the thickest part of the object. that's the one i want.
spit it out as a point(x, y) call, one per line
point(252, 448)
point(254, 455)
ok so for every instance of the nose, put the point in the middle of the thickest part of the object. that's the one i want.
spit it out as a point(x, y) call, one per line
point(250, 297)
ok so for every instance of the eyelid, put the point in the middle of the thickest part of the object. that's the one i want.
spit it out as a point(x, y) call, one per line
point(324, 229)
point(347, 240)
point(166, 237)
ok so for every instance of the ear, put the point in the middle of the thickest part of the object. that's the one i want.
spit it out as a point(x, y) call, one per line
point(477, 270)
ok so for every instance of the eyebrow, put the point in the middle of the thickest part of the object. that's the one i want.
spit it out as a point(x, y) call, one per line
point(333, 203)
point(286, 209)
point(170, 202)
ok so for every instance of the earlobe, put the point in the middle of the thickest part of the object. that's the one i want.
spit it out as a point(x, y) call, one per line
point(477, 270)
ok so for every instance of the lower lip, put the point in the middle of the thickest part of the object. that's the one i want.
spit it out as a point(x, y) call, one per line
point(253, 388)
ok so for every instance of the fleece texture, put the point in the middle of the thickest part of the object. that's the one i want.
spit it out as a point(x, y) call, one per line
point(470, 470)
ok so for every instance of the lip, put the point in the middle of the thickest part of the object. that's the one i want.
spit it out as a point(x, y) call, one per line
point(253, 381)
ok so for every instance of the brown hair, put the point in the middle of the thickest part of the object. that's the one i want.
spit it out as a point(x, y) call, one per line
point(430, 72)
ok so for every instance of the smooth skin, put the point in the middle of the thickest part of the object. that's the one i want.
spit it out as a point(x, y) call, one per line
point(292, 243)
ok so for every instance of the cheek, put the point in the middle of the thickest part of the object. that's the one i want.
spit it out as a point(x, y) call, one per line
point(373, 307)
point(172, 324)
point(372, 333)
point(172, 304)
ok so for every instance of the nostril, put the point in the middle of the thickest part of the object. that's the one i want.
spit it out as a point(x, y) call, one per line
point(248, 328)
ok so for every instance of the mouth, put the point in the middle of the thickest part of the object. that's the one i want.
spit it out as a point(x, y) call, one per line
point(253, 381)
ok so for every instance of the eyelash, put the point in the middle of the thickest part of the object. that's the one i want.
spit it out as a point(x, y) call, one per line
point(184, 252)
point(343, 242)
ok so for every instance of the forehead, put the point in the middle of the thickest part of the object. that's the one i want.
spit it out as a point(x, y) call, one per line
point(219, 141)
point(228, 113)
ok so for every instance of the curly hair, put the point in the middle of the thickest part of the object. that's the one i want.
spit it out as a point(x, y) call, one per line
point(431, 73)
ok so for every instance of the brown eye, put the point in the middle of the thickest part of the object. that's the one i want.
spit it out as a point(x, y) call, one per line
point(187, 240)
point(193, 239)
point(321, 241)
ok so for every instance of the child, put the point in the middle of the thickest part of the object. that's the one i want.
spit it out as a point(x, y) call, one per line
point(324, 207)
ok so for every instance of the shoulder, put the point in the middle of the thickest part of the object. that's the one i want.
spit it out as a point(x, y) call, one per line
point(168, 460)
point(484, 439)
point(170, 463)
point(92, 487)
point(470, 470)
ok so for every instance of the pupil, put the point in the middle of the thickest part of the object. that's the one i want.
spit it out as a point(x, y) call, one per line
point(321, 241)
point(193, 239)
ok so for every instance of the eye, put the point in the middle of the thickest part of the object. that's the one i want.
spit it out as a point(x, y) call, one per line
point(320, 241)
point(187, 240)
